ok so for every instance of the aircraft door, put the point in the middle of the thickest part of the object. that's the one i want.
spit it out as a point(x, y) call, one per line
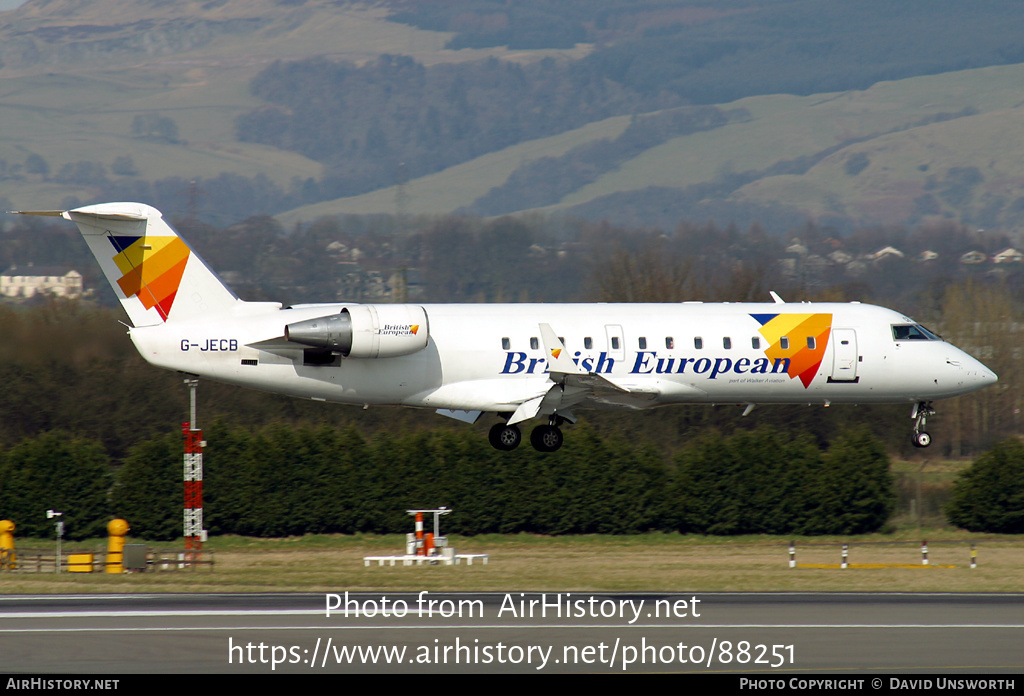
point(844, 355)
point(616, 344)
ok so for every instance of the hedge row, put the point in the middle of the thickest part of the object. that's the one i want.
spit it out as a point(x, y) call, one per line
point(989, 497)
point(282, 480)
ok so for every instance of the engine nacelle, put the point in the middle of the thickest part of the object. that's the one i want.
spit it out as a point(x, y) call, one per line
point(365, 331)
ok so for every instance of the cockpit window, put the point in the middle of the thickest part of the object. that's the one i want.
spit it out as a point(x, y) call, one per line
point(912, 332)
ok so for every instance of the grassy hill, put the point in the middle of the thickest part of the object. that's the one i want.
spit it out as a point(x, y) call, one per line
point(460, 185)
point(78, 73)
point(912, 175)
point(879, 148)
point(906, 133)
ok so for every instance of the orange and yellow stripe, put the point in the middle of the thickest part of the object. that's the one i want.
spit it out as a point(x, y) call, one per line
point(803, 360)
point(152, 268)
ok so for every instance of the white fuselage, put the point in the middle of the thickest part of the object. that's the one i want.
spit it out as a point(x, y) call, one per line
point(490, 357)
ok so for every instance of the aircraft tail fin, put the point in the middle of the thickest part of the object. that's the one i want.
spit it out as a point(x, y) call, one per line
point(154, 273)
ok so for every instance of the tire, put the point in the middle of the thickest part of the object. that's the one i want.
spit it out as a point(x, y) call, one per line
point(546, 438)
point(504, 437)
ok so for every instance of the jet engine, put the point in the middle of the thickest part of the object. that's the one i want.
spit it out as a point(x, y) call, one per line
point(365, 331)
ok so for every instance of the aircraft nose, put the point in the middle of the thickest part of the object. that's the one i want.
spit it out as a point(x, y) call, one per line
point(988, 377)
point(976, 373)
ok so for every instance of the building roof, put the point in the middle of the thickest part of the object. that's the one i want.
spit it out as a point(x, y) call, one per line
point(34, 271)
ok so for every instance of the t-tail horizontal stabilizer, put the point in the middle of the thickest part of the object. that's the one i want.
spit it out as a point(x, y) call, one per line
point(155, 274)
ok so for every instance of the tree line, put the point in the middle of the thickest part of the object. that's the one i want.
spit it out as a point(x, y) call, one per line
point(715, 52)
point(989, 497)
point(279, 480)
point(395, 119)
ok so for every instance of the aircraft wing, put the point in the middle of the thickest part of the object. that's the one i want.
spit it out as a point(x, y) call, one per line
point(567, 385)
point(565, 372)
point(574, 385)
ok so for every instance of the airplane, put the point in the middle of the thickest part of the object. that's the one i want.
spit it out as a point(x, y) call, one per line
point(521, 362)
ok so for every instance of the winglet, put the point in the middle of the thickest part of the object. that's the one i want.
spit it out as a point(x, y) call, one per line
point(559, 362)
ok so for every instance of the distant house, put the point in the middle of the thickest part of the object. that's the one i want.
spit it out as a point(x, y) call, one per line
point(374, 287)
point(337, 248)
point(814, 264)
point(796, 248)
point(788, 267)
point(856, 268)
point(840, 257)
point(972, 257)
point(1009, 255)
point(887, 252)
point(406, 284)
point(29, 281)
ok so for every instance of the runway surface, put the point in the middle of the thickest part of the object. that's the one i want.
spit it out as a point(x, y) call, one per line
point(772, 634)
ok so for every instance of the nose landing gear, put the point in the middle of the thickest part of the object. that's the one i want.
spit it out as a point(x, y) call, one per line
point(922, 409)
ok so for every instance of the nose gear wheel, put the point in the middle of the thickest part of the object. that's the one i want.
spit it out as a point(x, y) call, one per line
point(922, 410)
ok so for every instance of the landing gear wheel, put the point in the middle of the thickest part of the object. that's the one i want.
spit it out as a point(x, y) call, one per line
point(546, 438)
point(505, 437)
point(920, 414)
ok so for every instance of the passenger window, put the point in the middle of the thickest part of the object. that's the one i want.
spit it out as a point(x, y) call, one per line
point(670, 342)
point(642, 342)
point(755, 343)
point(727, 343)
point(506, 344)
point(698, 343)
point(534, 344)
point(784, 343)
point(588, 343)
point(810, 342)
point(615, 342)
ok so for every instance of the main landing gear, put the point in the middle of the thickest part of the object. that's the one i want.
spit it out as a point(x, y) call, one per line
point(504, 436)
point(922, 409)
point(544, 438)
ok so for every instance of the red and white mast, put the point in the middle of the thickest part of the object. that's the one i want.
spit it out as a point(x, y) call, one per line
point(194, 533)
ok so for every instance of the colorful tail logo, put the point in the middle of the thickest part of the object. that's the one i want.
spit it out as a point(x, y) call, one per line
point(151, 269)
point(804, 359)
